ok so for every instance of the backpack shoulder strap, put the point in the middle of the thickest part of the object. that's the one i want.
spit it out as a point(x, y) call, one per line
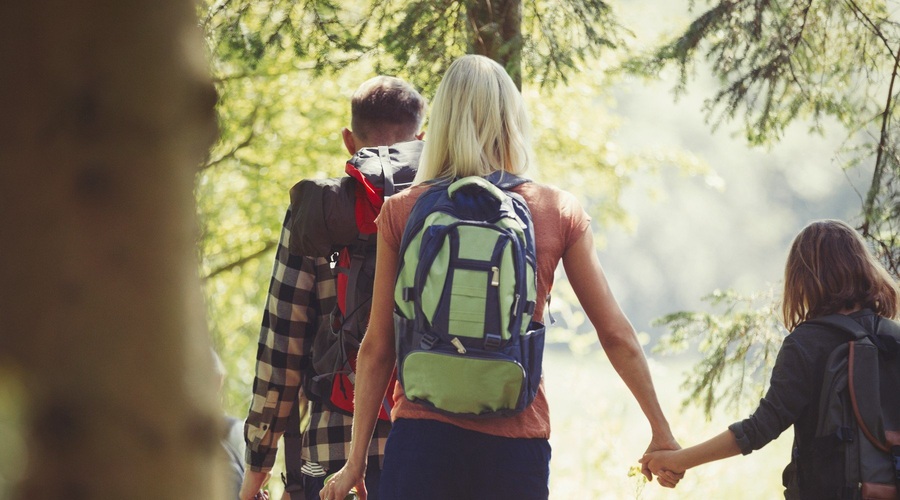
point(506, 180)
point(842, 323)
point(387, 171)
point(889, 327)
point(864, 380)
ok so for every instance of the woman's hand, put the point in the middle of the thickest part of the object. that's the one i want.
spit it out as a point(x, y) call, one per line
point(339, 485)
point(662, 444)
point(664, 464)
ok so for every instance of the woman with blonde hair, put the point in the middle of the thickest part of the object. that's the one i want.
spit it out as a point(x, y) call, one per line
point(479, 126)
point(829, 270)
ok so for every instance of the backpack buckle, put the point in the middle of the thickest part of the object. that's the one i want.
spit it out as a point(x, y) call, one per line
point(492, 341)
point(408, 294)
point(428, 341)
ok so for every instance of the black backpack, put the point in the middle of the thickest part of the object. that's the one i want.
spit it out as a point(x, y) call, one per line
point(857, 440)
point(334, 218)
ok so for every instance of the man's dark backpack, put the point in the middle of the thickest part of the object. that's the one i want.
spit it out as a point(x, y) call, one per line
point(334, 218)
point(857, 443)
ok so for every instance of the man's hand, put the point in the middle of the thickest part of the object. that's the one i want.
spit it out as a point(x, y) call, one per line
point(252, 486)
point(671, 478)
point(340, 484)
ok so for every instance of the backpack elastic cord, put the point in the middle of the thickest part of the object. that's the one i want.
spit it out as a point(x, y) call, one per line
point(387, 171)
point(356, 262)
point(549, 311)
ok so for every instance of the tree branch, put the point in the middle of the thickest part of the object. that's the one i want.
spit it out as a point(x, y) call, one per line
point(862, 16)
point(875, 187)
point(241, 145)
point(240, 262)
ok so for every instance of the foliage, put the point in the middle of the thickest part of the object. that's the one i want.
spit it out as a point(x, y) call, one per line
point(738, 347)
point(413, 39)
point(249, 36)
point(574, 150)
point(554, 37)
point(779, 61)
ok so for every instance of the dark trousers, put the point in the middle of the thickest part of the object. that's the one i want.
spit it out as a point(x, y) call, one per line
point(439, 461)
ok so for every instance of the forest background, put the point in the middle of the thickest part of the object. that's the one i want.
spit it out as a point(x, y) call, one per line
point(701, 136)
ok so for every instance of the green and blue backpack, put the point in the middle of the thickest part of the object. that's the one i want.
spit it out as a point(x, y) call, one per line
point(467, 343)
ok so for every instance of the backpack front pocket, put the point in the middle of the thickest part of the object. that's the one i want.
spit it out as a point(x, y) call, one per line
point(462, 384)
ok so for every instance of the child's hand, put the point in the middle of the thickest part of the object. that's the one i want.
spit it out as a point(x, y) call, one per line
point(659, 443)
point(665, 466)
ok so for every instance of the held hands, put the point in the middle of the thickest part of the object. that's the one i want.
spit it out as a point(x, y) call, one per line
point(338, 486)
point(665, 465)
point(668, 476)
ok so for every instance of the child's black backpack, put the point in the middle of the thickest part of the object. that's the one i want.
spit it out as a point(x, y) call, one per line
point(334, 218)
point(857, 441)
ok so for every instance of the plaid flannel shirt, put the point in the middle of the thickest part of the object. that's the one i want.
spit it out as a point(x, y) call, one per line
point(302, 293)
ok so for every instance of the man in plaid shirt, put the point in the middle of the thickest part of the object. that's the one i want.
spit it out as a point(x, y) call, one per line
point(302, 293)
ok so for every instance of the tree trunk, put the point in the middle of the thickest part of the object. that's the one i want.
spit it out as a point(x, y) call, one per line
point(496, 30)
point(107, 112)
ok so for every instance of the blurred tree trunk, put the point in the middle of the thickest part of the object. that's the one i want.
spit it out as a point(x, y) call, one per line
point(496, 27)
point(107, 111)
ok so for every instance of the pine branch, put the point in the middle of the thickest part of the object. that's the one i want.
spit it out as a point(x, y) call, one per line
point(240, 262)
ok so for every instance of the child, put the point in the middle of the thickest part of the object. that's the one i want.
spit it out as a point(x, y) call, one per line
point(829, 270)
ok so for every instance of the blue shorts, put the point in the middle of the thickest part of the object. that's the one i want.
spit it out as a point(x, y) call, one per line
point(439, 461)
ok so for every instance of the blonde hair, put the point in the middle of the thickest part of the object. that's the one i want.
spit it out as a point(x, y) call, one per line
point(830, 269)
point(478, 123)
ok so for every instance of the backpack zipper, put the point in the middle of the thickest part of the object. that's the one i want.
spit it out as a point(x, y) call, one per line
point(460, 348)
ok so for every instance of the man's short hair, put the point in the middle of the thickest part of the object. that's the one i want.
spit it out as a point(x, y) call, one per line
point(386, 107)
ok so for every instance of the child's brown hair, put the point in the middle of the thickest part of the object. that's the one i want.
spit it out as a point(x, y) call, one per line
point(830, 269)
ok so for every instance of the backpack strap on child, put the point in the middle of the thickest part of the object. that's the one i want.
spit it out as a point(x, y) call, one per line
point(842, 323)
